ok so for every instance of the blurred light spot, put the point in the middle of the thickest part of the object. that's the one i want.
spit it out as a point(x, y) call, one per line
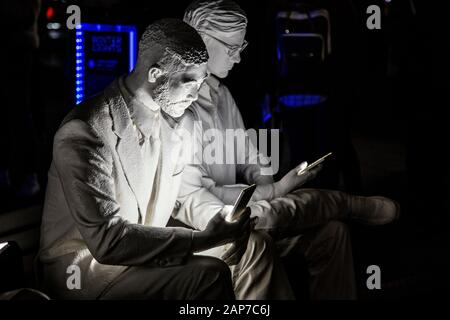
point(53, 26)
point(301, 100)
point(50, 13)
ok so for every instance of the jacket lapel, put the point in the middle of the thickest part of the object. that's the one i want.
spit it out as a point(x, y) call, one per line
point(127, 146)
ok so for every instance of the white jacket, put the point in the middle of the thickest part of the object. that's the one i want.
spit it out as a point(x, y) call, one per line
point(93, 213)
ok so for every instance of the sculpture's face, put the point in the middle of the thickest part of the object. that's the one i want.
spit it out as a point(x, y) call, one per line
point(224, 52)
point(178, 90)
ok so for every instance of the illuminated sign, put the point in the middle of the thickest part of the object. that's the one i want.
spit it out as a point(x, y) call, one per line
point(102, 53)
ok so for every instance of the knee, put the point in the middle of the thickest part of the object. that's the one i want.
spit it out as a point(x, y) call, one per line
point(215, 276)
point(213, 266)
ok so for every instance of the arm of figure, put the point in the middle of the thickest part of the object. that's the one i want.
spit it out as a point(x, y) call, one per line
point(252, 172)
point(196, 205)
point(250, 169)
point(85, 166)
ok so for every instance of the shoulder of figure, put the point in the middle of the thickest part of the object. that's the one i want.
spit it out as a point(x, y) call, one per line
point(225, 93)
point(91, 118)
point(223, 89)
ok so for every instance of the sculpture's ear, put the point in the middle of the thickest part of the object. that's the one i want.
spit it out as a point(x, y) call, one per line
point(154, 73)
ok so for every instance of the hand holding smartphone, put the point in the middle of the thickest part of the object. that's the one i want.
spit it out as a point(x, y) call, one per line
point(314, 164)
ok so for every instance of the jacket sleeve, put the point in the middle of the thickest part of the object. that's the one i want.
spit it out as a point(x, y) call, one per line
point(85, 166)
point(250, 170)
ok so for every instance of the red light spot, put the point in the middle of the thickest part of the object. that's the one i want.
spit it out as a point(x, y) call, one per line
point(50, 13)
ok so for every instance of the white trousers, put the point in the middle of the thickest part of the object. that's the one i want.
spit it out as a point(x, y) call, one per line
point(307, 222)
point(259, 275)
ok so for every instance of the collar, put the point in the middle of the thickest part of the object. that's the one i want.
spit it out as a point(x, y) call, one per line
point(213, 82)
point(143, 116)
point(208, 92)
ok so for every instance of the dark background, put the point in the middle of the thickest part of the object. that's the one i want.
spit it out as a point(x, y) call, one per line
point(385, 119)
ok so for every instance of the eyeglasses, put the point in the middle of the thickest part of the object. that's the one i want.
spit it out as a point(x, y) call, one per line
point(231, 50)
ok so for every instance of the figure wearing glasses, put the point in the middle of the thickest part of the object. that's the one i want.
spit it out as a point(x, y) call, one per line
point(303, 221)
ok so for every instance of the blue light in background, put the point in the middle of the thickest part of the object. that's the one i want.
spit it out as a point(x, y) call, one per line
point(265, 109)
point(79, 75)
point(80, 54)
point(266, 117)
point(301, 100)
point(91, 63)
point(132, 46)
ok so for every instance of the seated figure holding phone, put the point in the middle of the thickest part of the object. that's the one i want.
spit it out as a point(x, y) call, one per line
point(306, 221)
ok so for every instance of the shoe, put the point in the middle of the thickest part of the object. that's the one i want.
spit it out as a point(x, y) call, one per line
point(373, 211)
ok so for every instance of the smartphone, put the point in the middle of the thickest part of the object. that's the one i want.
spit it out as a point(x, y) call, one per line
point(314, 164)
point(241, 202)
